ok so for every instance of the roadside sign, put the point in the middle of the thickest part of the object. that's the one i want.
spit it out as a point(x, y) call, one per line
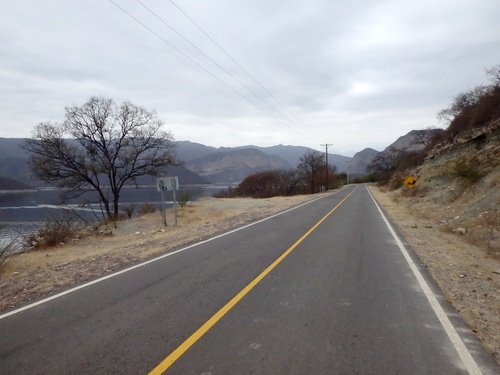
point(167, 183)
point(410, 182)
point(164, 184)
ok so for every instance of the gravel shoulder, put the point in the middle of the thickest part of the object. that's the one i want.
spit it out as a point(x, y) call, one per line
point(468, 275)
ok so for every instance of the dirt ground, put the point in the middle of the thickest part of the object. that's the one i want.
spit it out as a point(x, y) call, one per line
point(469, 276)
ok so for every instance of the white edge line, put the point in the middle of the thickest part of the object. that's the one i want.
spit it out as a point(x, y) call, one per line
point(55, 296)
point(464, 354)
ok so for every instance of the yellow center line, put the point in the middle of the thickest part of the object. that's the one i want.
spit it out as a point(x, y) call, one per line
point(177, 353)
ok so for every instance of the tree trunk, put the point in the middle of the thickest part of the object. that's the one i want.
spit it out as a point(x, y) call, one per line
point(116, 209)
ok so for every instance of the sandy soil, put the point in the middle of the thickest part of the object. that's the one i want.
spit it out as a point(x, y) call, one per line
point(469, 276)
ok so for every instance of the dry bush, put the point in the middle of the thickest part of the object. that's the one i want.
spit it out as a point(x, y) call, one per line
point(473, 109)
point(395, 182)
point(467, 170)
point(481, 231)
point(184, 198)
point(417, 191)
point(55, 231)
point(270, 184)
point(491, 223)
point(147, 208)
point(129, 209)
point(7, 248)
point(230, 192)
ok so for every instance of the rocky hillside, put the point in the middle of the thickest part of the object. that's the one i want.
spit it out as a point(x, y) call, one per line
point(413, 141)
point(358, 166)
point(452, 220)
point(462, 181)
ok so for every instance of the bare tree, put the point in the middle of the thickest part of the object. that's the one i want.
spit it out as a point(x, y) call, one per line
point(312, 163)
point(425, 137)
point(464, 102)
point(110, 146)
point(386, 160)
point(494, 75)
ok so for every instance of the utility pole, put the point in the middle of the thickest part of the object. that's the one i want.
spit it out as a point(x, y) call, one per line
point(326, 172)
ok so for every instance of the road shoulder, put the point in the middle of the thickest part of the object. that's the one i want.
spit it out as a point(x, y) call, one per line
point(467, 275)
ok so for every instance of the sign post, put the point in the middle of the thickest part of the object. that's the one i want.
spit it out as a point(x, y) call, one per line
point(160, 184)
point(165, 184)
point(174, 189)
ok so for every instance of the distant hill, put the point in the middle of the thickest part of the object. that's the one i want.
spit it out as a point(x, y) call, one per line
point(14, 165)
point(358, 166)
point(10, 184)
point(186, 177)
point(204, 164)
point(415, 140)
point(292, 155)
point(188, 151)
point(11, 148)
point(230, 167)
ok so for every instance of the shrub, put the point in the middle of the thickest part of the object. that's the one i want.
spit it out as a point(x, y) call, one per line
point(184, 198)
point(270, 183)
point(129, 209)
point(231, 192)
point(411, 160)
point(372, 177)
point(147, 208)
point(395, 182)
point(54, 232)
point(7, 248)
point(467, 170)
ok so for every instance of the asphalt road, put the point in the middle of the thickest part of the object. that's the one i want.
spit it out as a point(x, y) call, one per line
point(327, 288)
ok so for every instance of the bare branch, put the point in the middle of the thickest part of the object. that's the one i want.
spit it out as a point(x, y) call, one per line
point(110, 147)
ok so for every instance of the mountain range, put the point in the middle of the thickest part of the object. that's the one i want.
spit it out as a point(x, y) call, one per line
point(203, 164)
point(226, 165)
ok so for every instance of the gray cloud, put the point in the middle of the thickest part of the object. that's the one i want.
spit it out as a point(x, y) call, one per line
point(353, 73)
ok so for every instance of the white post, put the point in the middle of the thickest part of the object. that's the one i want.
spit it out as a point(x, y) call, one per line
point(175, 205)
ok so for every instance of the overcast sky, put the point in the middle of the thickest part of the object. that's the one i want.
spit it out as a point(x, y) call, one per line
point(355, 74)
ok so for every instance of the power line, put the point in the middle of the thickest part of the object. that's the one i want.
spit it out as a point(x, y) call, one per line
point(243, 69)
point(224, 69)
point(204, 68)
point(183, 54)
point(204, 54)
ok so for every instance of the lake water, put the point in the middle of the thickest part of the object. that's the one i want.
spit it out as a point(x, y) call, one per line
point(25, 212)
